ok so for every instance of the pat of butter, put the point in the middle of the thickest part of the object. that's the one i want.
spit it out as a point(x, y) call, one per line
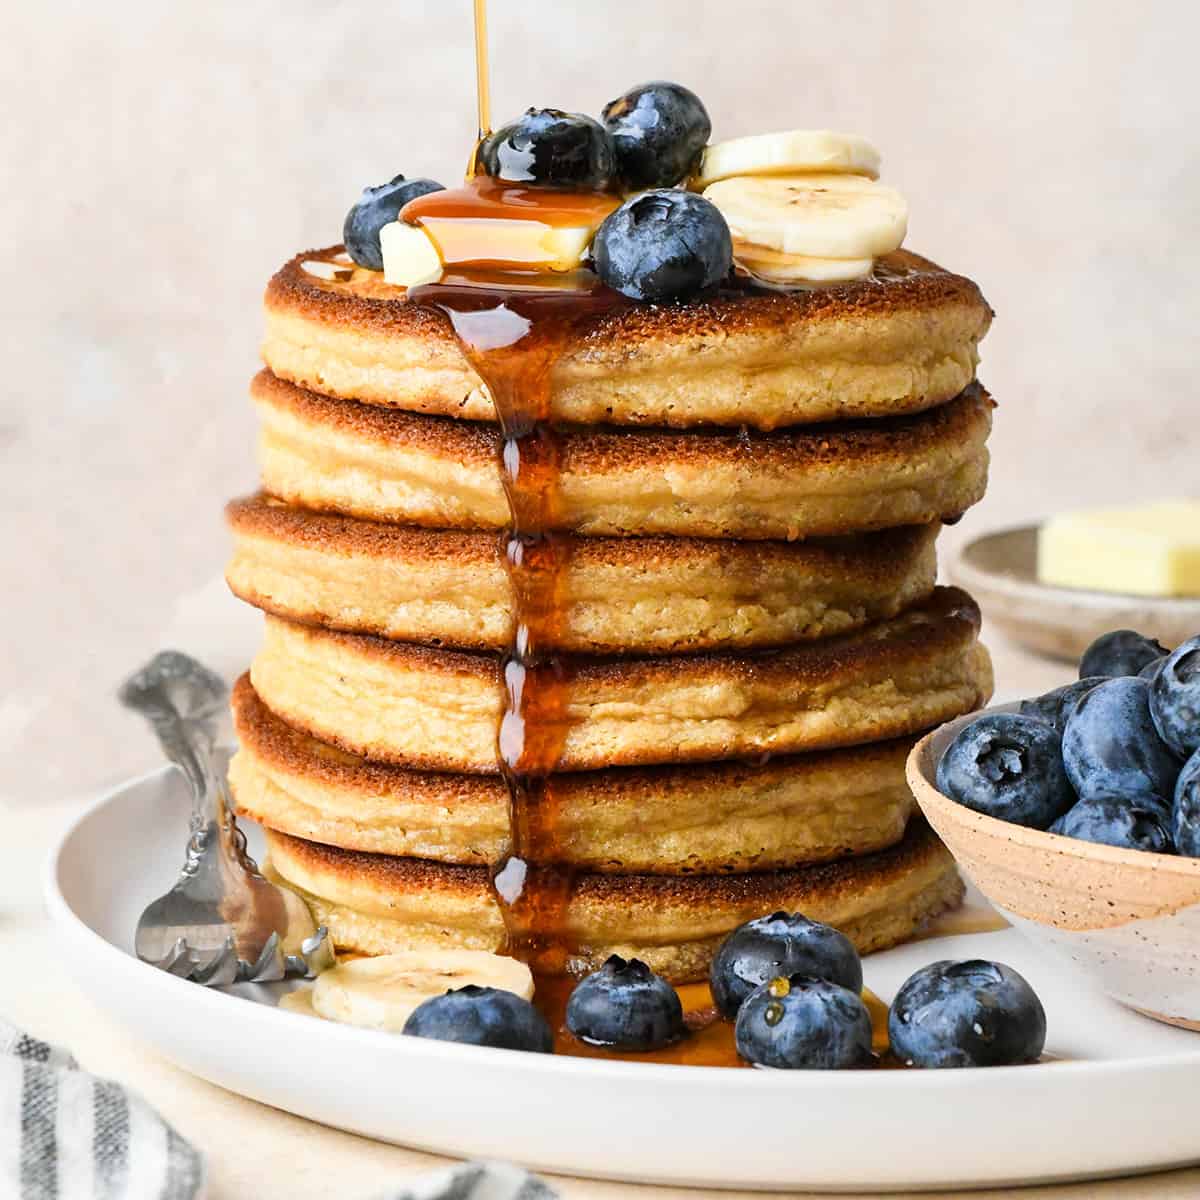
point(508, 245)
point(1152, 550)
point(409, 255)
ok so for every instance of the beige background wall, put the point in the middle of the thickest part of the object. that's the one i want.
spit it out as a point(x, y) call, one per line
point(161, 159)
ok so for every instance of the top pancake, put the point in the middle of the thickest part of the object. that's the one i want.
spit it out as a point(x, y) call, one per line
point(901, 341)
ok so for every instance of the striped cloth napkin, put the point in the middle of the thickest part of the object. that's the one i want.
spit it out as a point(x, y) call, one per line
point(475, 1181)
point(66, 1135)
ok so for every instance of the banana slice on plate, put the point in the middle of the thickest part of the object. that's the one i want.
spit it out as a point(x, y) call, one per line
point(381, 993)
point(792, 152)
point(819, 216)
point(776, 267)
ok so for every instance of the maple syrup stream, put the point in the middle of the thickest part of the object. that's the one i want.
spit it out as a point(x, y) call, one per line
point(512, 339)
point(513, 333)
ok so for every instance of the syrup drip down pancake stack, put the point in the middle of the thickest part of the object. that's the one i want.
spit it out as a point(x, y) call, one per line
point(597, 625)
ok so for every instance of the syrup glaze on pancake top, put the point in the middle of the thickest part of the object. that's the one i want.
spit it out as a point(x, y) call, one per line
point(536, 294)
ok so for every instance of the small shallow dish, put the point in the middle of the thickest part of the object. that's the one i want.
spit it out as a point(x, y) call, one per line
point(1128, 918)
point(1000, 571)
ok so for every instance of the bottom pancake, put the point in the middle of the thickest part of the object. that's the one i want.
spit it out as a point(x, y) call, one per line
point(378, 904)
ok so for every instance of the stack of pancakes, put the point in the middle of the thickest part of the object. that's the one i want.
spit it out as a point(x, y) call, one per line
point(752, 486)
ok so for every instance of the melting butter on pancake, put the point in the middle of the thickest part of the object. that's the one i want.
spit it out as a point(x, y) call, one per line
point(838, 479)
point(899, 341)
point(377, 904)
point(439, 710)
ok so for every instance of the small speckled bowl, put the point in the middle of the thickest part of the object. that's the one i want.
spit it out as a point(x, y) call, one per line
point(1129, 919)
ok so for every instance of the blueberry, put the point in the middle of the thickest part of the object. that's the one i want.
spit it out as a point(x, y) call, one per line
point(782, 944)
point(1175, 699)
point(966, 1014)
point(1122, 652)
point(1114, 821)
point(803, 1024)
point(377, 207)
point(1111, 748)
point(1186, 813)
point(1007, 766)
point(664, 245)
point(659, 130)
point(1056, 707)
point(546, 147)
point(1150, 671)
point(482, 1016)
point(626, 1006)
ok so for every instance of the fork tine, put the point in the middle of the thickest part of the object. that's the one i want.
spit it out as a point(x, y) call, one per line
point(220, 970)
point(270, 965)
point(178, 960)
point(317, 952)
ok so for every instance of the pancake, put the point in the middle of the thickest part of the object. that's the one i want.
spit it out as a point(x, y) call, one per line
point(377, 904)
point(846, 478)
point(901, 341)
point(440, 709)
point(654, 820)
point(645, 595)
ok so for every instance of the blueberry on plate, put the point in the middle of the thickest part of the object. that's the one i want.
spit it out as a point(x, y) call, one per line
point(377, 207)
point(1175, 698)
point(1007, 766)
point(1111, 748)
point(966, 1014)
point(663, 245)
point(545, 147)
point(1186, 811)
point(782, 944)
point(659, 130)
point(1115, 821)
point(803, 1024)
point(1122, 652)
point(1056, 707)
point(482, 1016)
point(626, 1006)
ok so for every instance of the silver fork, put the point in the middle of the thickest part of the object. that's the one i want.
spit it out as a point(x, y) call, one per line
point(222, 922)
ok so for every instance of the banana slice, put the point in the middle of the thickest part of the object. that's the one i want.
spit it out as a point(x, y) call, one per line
point(776, 267)
point(819, 216)
point(381, 993)
point(410, 256)
point(793, 152)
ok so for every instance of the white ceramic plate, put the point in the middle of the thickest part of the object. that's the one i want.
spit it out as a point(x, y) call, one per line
point(1121, 1099)
point(1000, 571)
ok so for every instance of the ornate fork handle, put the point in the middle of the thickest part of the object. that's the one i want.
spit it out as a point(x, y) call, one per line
point(183, 701)
point(248, 928)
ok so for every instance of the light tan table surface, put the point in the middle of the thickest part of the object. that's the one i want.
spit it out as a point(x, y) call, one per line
point(257, 1153)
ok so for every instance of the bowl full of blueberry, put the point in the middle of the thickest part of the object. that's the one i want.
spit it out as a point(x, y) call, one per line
point(1077, 813)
